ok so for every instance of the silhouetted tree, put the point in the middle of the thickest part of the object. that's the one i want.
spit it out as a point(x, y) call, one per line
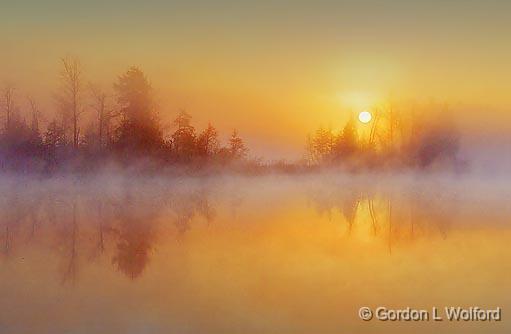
point(374, 127)
point(347, 141)
point(322, 144)
point(104, 114)
point(54, 140)
point(310, 154)
point(183, 139)
point(207, 143)
point(70, 96)
point(20, 144)
point(35, 139)
point(54, 135)
point(35, 113)
point(8, 105)
point(237, 147)
point(90, 138)
point(139, 130)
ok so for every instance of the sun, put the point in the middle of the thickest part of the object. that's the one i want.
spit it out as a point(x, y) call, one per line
point(365, 117)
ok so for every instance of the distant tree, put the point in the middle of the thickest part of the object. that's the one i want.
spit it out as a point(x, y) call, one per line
point(34, 113)
point(322, 144)
point(19, 143)
point(393, 123)
point(207, 143)
point(348, 140)
point(54, 138)
point(310, 153)
point(237, 147)
point(183, 120)
point(54, 135)
point(17, 136)
point(104, 114)
point(90, 138)
point(20, 147)
point(71, 94)
point(8, 105)
point(139, 129)
point(184, 138)
point(374, 127)
point(36, 140)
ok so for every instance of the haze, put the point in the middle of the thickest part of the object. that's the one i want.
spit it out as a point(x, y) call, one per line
point(274, 71)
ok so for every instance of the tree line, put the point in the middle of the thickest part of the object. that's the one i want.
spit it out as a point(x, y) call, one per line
point(124, 127)
point(395, 137)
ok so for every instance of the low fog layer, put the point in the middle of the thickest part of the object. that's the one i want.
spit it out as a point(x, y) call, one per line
point(488, 192)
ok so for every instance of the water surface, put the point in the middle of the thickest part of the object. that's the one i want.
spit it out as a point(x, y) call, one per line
point(275, 254)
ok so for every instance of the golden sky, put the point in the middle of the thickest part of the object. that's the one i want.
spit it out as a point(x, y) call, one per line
point(275, 70)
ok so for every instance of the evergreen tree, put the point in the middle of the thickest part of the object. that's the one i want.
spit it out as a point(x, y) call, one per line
point(183, 139)
point(207, 143)
point(237, 147)
point(139, 130)
point(348, 140)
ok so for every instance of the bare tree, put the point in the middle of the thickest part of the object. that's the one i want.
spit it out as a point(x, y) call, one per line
point(99, 105)
point(8, 104)
point(104, 112)
point(374, 127)
point(35, 114)
point(71, 77)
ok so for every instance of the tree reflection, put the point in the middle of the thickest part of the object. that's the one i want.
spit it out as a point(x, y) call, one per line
point(405, 214)
point(133, 248)
point(123, 225)
point(14, 208)
point(136, 214)
point(188, 205)
point(72, 236)
point(349, 205)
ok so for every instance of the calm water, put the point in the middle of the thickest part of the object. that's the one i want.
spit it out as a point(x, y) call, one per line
point(251, 255)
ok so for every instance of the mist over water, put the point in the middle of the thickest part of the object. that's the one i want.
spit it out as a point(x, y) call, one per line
point(253, 167)
point(237, 254)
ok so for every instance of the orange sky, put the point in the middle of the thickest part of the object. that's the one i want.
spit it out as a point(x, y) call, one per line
point(275, 71)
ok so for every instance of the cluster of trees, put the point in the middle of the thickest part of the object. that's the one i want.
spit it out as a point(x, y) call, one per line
point(90, 127)
point(121, 127)
point(392, 138)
